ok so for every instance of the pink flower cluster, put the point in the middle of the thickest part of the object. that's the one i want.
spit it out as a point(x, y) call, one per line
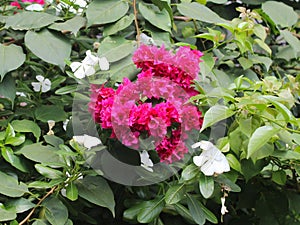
point(154, 107)
point(17, 4)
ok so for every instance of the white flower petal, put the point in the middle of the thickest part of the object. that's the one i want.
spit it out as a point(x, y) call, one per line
point(79, 139)
point(35, 7)
point(40, 78)
point(75, 65)
point(46, 85)
point(146, 162)
point(36, 86)
point(90, 141)
point(199, 160)
point(79, 73)
point(103, 63)
point(90, 59)
point(89, 70)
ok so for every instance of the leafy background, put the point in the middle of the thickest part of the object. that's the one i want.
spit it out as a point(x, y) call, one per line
point(249, 83)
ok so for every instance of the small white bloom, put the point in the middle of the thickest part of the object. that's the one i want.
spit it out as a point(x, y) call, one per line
point(211, 160)
point(65, 124)
point(51, 124)
point(87, 141)
point(86, 66)
point(223, 208)
point(145, 39)
point(103, 63)
point(22, 94)
point(35, 7)
point(146, 162)
point(43, 85)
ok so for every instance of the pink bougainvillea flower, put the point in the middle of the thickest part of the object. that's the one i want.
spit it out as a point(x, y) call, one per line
point(34, 5)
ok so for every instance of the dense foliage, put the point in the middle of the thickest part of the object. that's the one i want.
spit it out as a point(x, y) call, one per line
point(248, 85)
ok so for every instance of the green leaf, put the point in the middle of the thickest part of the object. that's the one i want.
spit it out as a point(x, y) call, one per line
point(225, 181)
point(20, 204)
point(8, 88)
point(115, 48)
point(14, 160)
point(11, 187)
point(150, 210)
point(263, 45)
point(72, 25)
point(58, 46)
point(30, 20)
point(245, 63)
point(132, 212)
point(27, 126)
point(175, 194)
point(195, 208)
point(233, 162)
point(7, 214)
point(279, 177)
point(66, 89)
point(50, 112)
point(287, 155)
point(209, 215)
point(16, 140)
point(292, 40)
point(287, 16)
point(72, 191)
point(260, 137)
point(199, 12)
point(215, 114)
point(206, 185)
point(39, 222)
point(250, 169)
point(106, 11)
point(190, 172)
point(260, 31)
point(123, 68)
point(158, 18)
point(53, 140)
point(48, 172)
point(40, 153)
point(97, 191)
point(123, 23)
point(56, 212)
point(184, 212)
point(11, 58)
point(266, 61)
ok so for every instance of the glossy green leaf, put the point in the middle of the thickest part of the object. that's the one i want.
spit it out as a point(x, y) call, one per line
point(233, 162)
point(150, 210)
point(132, 212)
point(215, 114)
point(72, 191)
point(30, 20)
point(56, 212)
point(14, 160)
point(48, 172)
point(195, 208)
point(115, 48)
point(287, 16)
point(292, 40)
point(210, 216)
point(8, 88)
point(11, 187)
point(206, 185)
point(260, 137)
point(7, 214)
point(21, 204)
point(175, 194)
point(73, 25)
point(123, 23)
point(40, 153)
point(50, 112)
point(158, 18)
point(106, 11)
point(184, 212)
point(199, 12)
point(279, 177)
point(39, 222)
point(189, 172)
point(97, 191)
point(16, 140)
point(27, 126)
point(66, 89)
point(11, 58)
point(58, 47)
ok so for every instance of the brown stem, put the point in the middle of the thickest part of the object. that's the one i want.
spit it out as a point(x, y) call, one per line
point(138, 33)
point(184, 18)
point(38, 204)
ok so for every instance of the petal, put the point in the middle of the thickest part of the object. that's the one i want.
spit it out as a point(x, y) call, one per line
point(89, 70)
point(75, 65)
point(90, 59)
point(90, 141)
point(208, 168)
point(34, 7)
point(40, 78)
point(79, 73)
point(145, 159)
point(46, 85)
point(79, 139)
point(103, 63)
point(36, 86)
point(199, 160)
point(206, 145)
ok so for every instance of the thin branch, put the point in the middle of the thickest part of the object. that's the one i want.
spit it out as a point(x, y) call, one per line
point(184, 18)
point(138, 33)
point(38, 204)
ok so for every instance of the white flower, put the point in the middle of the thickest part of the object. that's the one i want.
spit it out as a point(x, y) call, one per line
point(65, 124)
point(51, 124)
point(145, 39)
point(87, 141)
point(43, 85)
point(35, 7)
point(211, 160)
point(81, 3)
point(22, 94)
point(146, 162)
point(223, 208)
point(87, 66)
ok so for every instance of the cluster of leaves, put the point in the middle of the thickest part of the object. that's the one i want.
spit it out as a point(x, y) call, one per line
point(249, 84)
